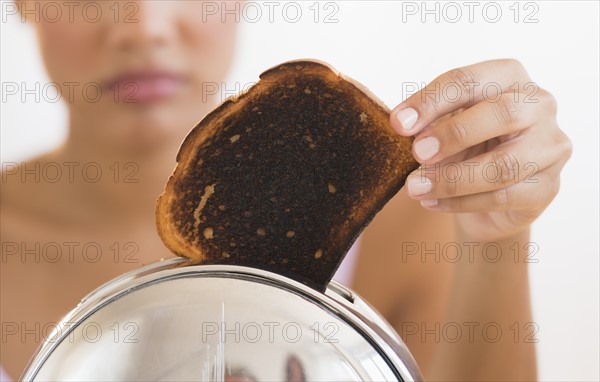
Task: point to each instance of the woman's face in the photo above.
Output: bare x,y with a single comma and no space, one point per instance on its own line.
134,73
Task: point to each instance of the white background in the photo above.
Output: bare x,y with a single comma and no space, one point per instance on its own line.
374,44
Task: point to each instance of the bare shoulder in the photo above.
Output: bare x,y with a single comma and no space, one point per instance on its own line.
23,230
22,193
14,276
24,183
397,265
27,283
402,271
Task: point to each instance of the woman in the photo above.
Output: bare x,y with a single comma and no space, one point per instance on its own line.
134,89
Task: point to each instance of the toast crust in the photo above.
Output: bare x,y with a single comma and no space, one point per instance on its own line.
284,176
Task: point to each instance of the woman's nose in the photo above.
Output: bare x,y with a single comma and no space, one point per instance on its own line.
143,24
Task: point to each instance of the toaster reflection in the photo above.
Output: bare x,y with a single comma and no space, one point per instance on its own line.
239,375
294,372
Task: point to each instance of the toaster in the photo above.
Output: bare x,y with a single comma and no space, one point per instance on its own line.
176,321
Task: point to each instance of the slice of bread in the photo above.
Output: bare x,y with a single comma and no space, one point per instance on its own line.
285,176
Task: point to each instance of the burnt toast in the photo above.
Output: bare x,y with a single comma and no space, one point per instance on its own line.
284,176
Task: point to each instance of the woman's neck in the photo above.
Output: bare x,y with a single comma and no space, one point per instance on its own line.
111,182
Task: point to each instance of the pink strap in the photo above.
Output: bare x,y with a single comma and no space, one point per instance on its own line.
345,273
3,376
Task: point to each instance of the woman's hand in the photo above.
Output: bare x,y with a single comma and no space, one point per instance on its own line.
489,147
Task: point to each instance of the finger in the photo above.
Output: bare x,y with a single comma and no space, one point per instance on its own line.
517,197
457,88
486,120
507,164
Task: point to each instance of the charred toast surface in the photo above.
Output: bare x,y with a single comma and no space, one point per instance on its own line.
285,176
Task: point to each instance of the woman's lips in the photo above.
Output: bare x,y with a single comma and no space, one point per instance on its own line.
145,87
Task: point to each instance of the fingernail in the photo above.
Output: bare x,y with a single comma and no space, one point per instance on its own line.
418,185
407,118
427,147
429,202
